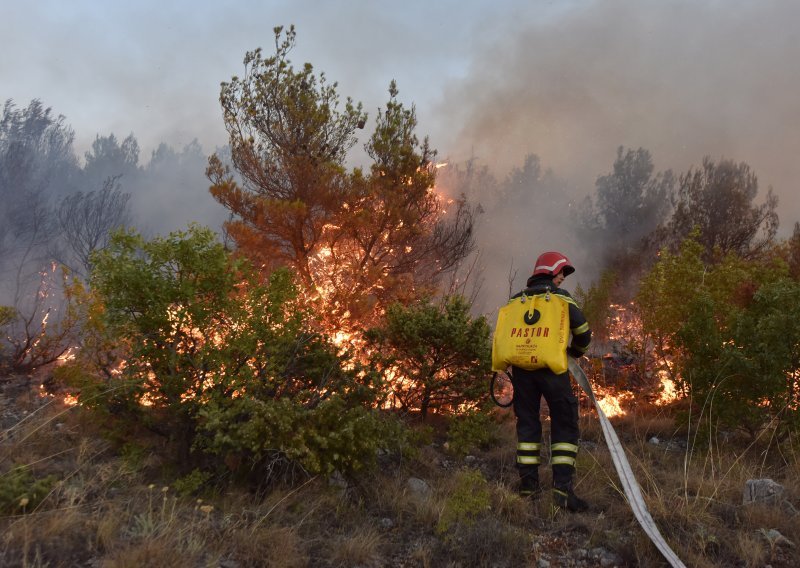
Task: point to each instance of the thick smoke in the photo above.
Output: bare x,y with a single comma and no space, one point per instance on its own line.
681,79
53,208
567,81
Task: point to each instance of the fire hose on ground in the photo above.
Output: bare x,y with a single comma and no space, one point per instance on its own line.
629,484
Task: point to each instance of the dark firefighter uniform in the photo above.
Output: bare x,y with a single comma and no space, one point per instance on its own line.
529,387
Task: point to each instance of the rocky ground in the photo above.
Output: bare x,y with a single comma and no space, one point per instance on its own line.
388,517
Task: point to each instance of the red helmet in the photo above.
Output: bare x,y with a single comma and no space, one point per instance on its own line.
552,263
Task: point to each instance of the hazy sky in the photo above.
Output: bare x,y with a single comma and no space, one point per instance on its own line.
567,80
154,68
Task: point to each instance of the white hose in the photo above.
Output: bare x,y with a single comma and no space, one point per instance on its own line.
623,467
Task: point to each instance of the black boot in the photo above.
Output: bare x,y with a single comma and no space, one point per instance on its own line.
529,486
566,499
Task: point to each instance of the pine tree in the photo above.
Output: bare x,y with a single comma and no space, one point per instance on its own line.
357,239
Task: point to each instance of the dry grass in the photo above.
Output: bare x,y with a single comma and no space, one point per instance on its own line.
509,506
155,552
276,546
752,550
111,511
359,548
394,500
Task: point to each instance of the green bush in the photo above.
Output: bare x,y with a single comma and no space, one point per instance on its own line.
133,455
469,500
742,370
723,333
333,435
596,301
470,432
21,492
191,483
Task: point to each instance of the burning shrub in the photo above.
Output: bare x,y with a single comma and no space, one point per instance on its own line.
38,331
436,357
202,345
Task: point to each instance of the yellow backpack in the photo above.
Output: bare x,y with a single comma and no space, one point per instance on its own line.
532,332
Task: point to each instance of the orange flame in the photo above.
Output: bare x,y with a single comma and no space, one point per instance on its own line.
611,402
70,400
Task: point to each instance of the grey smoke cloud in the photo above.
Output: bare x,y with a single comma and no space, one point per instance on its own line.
569,81
682,79
154,68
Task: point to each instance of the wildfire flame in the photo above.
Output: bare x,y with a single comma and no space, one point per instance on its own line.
610,401
67,356
669,390
70,399
625,325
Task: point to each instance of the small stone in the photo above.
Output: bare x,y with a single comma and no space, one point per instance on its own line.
386,523
418,487
470,459
337,480
762,491
606,558
788,508
654,440
775,537
543,563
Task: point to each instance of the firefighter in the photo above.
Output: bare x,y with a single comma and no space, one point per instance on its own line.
549,272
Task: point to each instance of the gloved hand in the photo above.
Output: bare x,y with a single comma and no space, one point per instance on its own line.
574,353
